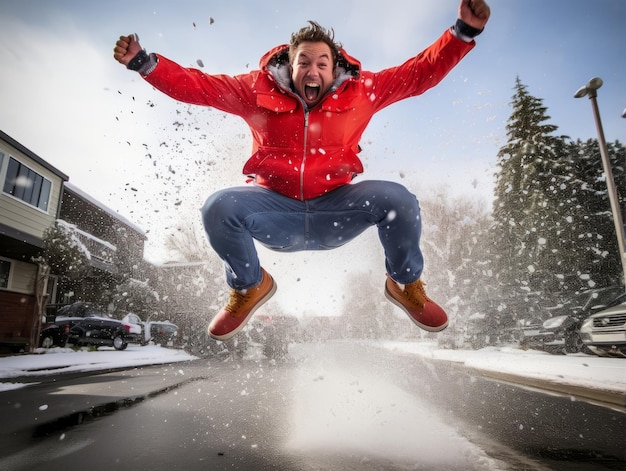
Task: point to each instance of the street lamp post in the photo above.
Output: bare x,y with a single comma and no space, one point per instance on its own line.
591,90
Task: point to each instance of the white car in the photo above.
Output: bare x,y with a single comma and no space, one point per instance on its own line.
161,333
134,327
604,333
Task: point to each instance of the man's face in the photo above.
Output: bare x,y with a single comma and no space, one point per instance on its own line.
312,71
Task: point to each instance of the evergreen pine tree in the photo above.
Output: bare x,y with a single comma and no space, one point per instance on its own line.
528,214
591,221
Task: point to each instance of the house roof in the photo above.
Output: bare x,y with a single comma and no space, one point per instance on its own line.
90,199
70,187
12,142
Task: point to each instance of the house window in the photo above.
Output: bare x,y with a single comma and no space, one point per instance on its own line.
27,185
51,289
5,269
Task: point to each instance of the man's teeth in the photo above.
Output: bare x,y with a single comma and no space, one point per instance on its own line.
312,91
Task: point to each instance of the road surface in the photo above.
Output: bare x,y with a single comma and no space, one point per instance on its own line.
345,406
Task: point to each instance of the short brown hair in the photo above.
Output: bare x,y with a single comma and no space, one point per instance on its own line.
314,33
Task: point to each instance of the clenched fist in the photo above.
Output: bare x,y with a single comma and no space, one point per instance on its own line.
126,48
474,12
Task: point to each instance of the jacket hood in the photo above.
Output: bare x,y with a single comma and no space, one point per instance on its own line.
276,63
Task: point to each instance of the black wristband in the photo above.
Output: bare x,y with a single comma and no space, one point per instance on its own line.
138,61
466,30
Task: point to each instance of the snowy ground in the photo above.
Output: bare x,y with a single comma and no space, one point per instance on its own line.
582,370
586,371
66,360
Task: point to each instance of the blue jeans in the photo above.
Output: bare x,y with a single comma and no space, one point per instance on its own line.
234,217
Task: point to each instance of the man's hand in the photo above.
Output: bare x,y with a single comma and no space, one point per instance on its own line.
126,48
474,12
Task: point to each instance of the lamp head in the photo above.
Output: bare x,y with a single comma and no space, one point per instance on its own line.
581,92
590,89
594,83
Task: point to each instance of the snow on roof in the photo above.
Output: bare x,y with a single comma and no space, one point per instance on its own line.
81,194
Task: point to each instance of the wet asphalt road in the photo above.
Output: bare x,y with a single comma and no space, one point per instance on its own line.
334,406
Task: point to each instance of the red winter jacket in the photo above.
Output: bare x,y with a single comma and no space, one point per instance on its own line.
306,153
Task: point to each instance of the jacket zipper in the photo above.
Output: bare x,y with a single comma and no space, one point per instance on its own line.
306,134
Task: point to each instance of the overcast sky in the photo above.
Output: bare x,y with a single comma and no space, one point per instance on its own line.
135,150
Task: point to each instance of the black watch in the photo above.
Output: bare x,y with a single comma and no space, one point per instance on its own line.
466,30
138,61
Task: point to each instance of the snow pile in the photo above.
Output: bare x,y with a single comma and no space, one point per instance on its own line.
66,360
579,369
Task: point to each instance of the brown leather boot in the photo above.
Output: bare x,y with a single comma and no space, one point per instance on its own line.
240,308
413,300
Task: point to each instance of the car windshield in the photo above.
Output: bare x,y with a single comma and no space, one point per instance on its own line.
132,318
605,298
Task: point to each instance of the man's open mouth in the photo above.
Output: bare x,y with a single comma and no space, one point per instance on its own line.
311,91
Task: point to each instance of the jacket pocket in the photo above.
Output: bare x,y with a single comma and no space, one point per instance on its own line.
341,102
276,102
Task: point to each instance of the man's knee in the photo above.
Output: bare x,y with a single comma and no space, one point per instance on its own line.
218,207
394,194
400,193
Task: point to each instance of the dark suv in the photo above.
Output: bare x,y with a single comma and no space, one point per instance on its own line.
84,323
55,333
100,330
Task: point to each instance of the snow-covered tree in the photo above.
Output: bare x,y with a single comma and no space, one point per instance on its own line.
138,297
529,204
590,223
552,217
64,252
187,243
459,272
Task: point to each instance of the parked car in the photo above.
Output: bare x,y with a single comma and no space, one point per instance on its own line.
83,323
55,333
161,333
528,329
135,329
102,330
604,333
158,332
561,332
